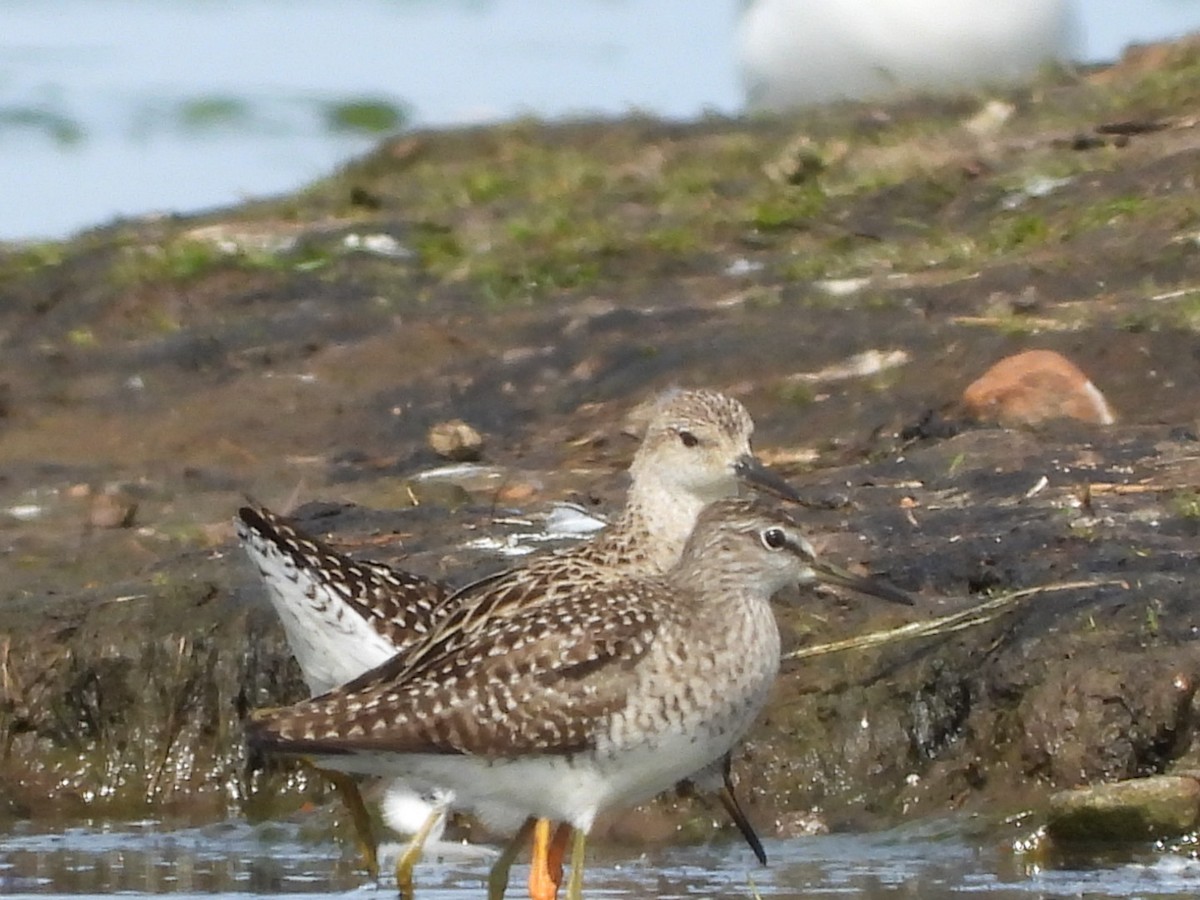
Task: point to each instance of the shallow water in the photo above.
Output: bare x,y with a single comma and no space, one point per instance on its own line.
235,858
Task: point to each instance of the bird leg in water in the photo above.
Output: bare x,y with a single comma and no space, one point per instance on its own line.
412,853
498,876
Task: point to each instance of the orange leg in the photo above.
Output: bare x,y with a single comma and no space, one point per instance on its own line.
558,849
546,867
542,883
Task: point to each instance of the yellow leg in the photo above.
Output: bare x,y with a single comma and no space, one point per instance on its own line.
498,876
347,788
575,885
412,853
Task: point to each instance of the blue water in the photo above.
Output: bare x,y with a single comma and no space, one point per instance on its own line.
927,862
131,107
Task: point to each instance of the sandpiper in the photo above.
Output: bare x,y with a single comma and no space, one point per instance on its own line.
343,617
581,700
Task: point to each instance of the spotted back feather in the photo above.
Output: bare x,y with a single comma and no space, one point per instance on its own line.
537,682
553,676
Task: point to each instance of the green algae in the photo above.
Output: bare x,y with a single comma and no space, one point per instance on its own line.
364,115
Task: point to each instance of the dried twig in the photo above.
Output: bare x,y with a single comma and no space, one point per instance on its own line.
1105,487
967,618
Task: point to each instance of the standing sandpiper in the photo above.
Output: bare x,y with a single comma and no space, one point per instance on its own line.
579,700
343,617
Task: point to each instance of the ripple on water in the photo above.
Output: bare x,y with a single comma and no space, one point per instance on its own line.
235,859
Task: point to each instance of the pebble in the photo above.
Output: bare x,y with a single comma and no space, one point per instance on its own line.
111,511
456,440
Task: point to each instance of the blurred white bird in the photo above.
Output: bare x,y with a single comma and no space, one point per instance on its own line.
794,53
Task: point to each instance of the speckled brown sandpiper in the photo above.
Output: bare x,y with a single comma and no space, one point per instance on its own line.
576,700
342,616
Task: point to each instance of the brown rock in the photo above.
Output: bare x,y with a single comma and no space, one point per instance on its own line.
456,440
647,824
1032,387
1142,59
111,511
1161,806
517,492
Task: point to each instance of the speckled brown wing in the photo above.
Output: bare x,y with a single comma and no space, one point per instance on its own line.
538,682
398,605
552,579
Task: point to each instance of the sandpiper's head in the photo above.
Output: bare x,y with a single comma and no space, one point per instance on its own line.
698,443
760,544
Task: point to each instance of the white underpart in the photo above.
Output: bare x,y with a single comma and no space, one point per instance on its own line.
331,642
557,789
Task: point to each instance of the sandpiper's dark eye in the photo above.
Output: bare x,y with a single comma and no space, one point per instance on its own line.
688,439
774,538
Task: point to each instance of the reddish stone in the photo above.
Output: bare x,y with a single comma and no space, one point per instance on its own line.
1035,386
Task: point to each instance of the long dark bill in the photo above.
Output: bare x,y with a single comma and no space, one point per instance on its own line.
828,573
752,471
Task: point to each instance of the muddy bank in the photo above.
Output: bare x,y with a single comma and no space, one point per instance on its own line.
539,281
